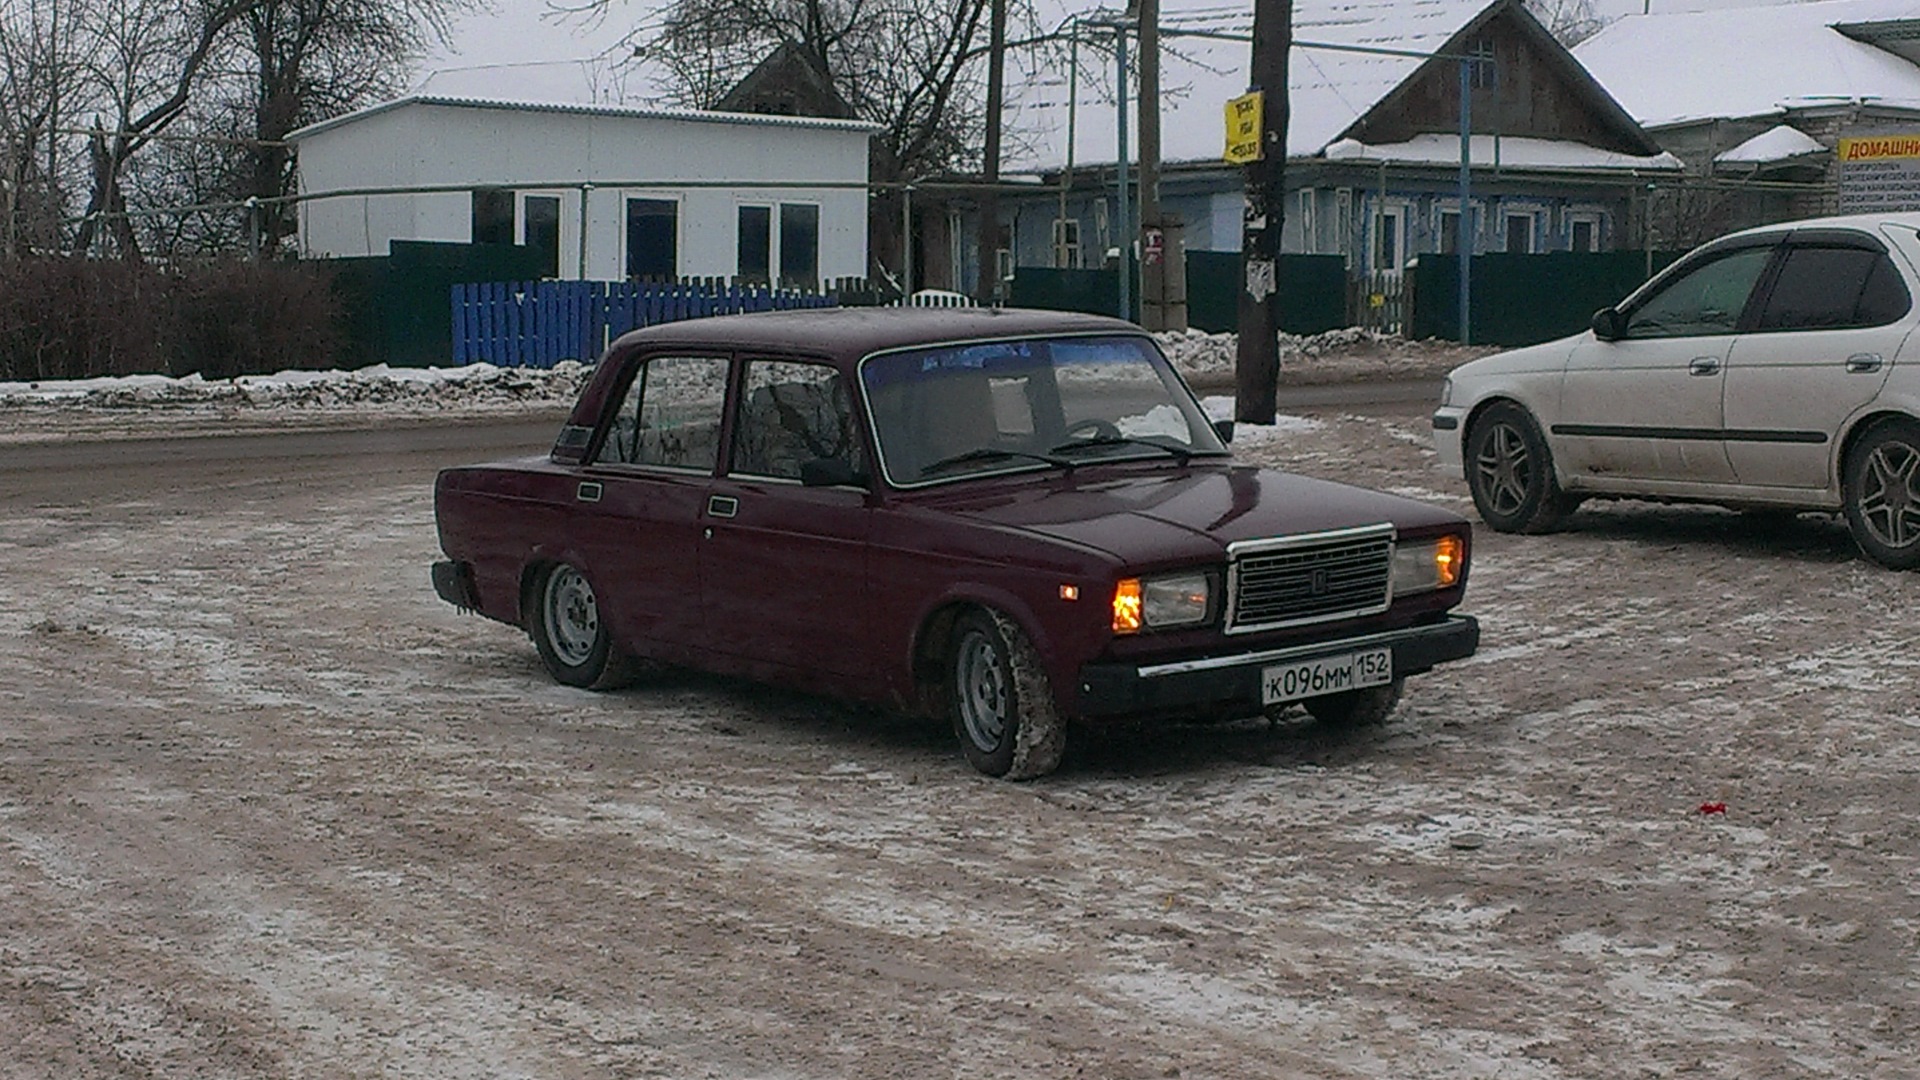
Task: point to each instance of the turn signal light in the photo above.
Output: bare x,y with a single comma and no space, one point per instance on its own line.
1126,606
1449,556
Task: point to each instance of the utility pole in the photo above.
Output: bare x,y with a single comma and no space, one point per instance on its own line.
988,290
1257,364
1153,263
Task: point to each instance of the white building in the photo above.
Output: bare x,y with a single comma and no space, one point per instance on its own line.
602,191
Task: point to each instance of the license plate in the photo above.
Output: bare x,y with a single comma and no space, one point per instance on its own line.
1327,675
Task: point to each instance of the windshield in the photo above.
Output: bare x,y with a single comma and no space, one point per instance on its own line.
961,410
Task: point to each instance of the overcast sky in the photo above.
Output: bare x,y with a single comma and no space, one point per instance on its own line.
524,31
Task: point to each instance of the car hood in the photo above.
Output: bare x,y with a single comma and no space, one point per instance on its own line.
1178,515
1546,356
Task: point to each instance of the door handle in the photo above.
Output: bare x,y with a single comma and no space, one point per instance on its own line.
722,506
1863,363
1704,365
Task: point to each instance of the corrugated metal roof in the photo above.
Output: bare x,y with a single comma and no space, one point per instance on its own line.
570,108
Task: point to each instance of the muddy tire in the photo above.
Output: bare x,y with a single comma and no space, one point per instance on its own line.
1356,708
1000,699
563,618
1510,472
1882,493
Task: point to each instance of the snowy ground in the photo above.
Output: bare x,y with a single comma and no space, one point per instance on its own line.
269,808
102,408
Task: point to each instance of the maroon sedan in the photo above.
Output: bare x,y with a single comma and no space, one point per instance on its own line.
1018,520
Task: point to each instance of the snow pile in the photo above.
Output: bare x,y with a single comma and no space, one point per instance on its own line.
1351,354
431,389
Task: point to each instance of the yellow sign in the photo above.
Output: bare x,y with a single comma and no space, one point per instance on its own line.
1880,148
1243,128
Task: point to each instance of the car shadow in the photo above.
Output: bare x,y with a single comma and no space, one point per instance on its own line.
1294,740
1809,536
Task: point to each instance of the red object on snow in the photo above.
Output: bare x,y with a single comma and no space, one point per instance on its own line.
1713,808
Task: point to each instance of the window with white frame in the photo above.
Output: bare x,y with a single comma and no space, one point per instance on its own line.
1309,237
1519,233
1583,231
1389,237
1343,223
1066,243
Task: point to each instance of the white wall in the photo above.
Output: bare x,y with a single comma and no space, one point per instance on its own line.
421,144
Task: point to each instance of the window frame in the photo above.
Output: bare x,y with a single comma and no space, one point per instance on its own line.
740,393
622,395
627,199
1830,241
1686,267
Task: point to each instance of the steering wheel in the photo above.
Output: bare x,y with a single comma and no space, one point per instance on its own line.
1093,428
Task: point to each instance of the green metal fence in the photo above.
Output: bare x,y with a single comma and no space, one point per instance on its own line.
1525,299
1313,292
397,304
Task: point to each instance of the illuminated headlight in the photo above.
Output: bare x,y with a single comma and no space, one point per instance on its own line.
1426,565
1161,602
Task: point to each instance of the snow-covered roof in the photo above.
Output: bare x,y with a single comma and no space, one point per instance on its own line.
504,101
1328,90
1777,143
1511,151
1677,68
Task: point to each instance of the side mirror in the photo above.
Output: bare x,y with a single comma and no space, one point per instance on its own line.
1224,429
1609,324
830,472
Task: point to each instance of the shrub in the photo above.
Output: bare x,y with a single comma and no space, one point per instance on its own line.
74,317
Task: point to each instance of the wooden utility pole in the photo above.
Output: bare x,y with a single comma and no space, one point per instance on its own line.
1257,365
989,285
1153,263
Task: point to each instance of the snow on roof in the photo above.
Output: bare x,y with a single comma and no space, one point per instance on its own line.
1758,61
1513,151
1777,143
1328,90
583,81
509,103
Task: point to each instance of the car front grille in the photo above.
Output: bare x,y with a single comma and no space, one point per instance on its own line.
1306,579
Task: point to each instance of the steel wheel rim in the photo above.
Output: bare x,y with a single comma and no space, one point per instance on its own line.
572,616
1504,467
981,689
1889,503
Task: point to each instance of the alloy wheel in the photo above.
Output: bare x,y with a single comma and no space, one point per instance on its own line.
1889,503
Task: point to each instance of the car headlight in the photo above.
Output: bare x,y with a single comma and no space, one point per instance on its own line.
1446,391
1428,564
1166,600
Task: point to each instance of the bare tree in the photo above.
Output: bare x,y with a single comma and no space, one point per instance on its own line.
299,61
1569,21
147,61
37,61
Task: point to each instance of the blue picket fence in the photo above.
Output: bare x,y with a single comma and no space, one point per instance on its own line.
540,323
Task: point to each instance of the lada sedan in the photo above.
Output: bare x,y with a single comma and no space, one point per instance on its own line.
1014,520
1770,369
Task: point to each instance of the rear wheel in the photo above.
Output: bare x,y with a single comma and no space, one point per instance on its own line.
1356,708
571,637
1883,493
1000,699
1510,472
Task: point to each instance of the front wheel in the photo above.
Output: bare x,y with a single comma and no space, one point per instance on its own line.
1883,493
567,629
1510,472
1356,708
1001,700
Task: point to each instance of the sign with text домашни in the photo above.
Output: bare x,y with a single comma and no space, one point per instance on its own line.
1243,128
1879,173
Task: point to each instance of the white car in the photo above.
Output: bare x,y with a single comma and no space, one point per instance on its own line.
1772,368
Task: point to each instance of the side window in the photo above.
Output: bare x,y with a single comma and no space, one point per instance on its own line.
1832,288
671,415
791,414
1705,300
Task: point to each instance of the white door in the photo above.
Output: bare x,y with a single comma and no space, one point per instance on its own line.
1647,407
1836,315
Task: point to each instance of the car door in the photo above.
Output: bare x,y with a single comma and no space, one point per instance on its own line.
1825,339
639,502
783,555
1647,407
